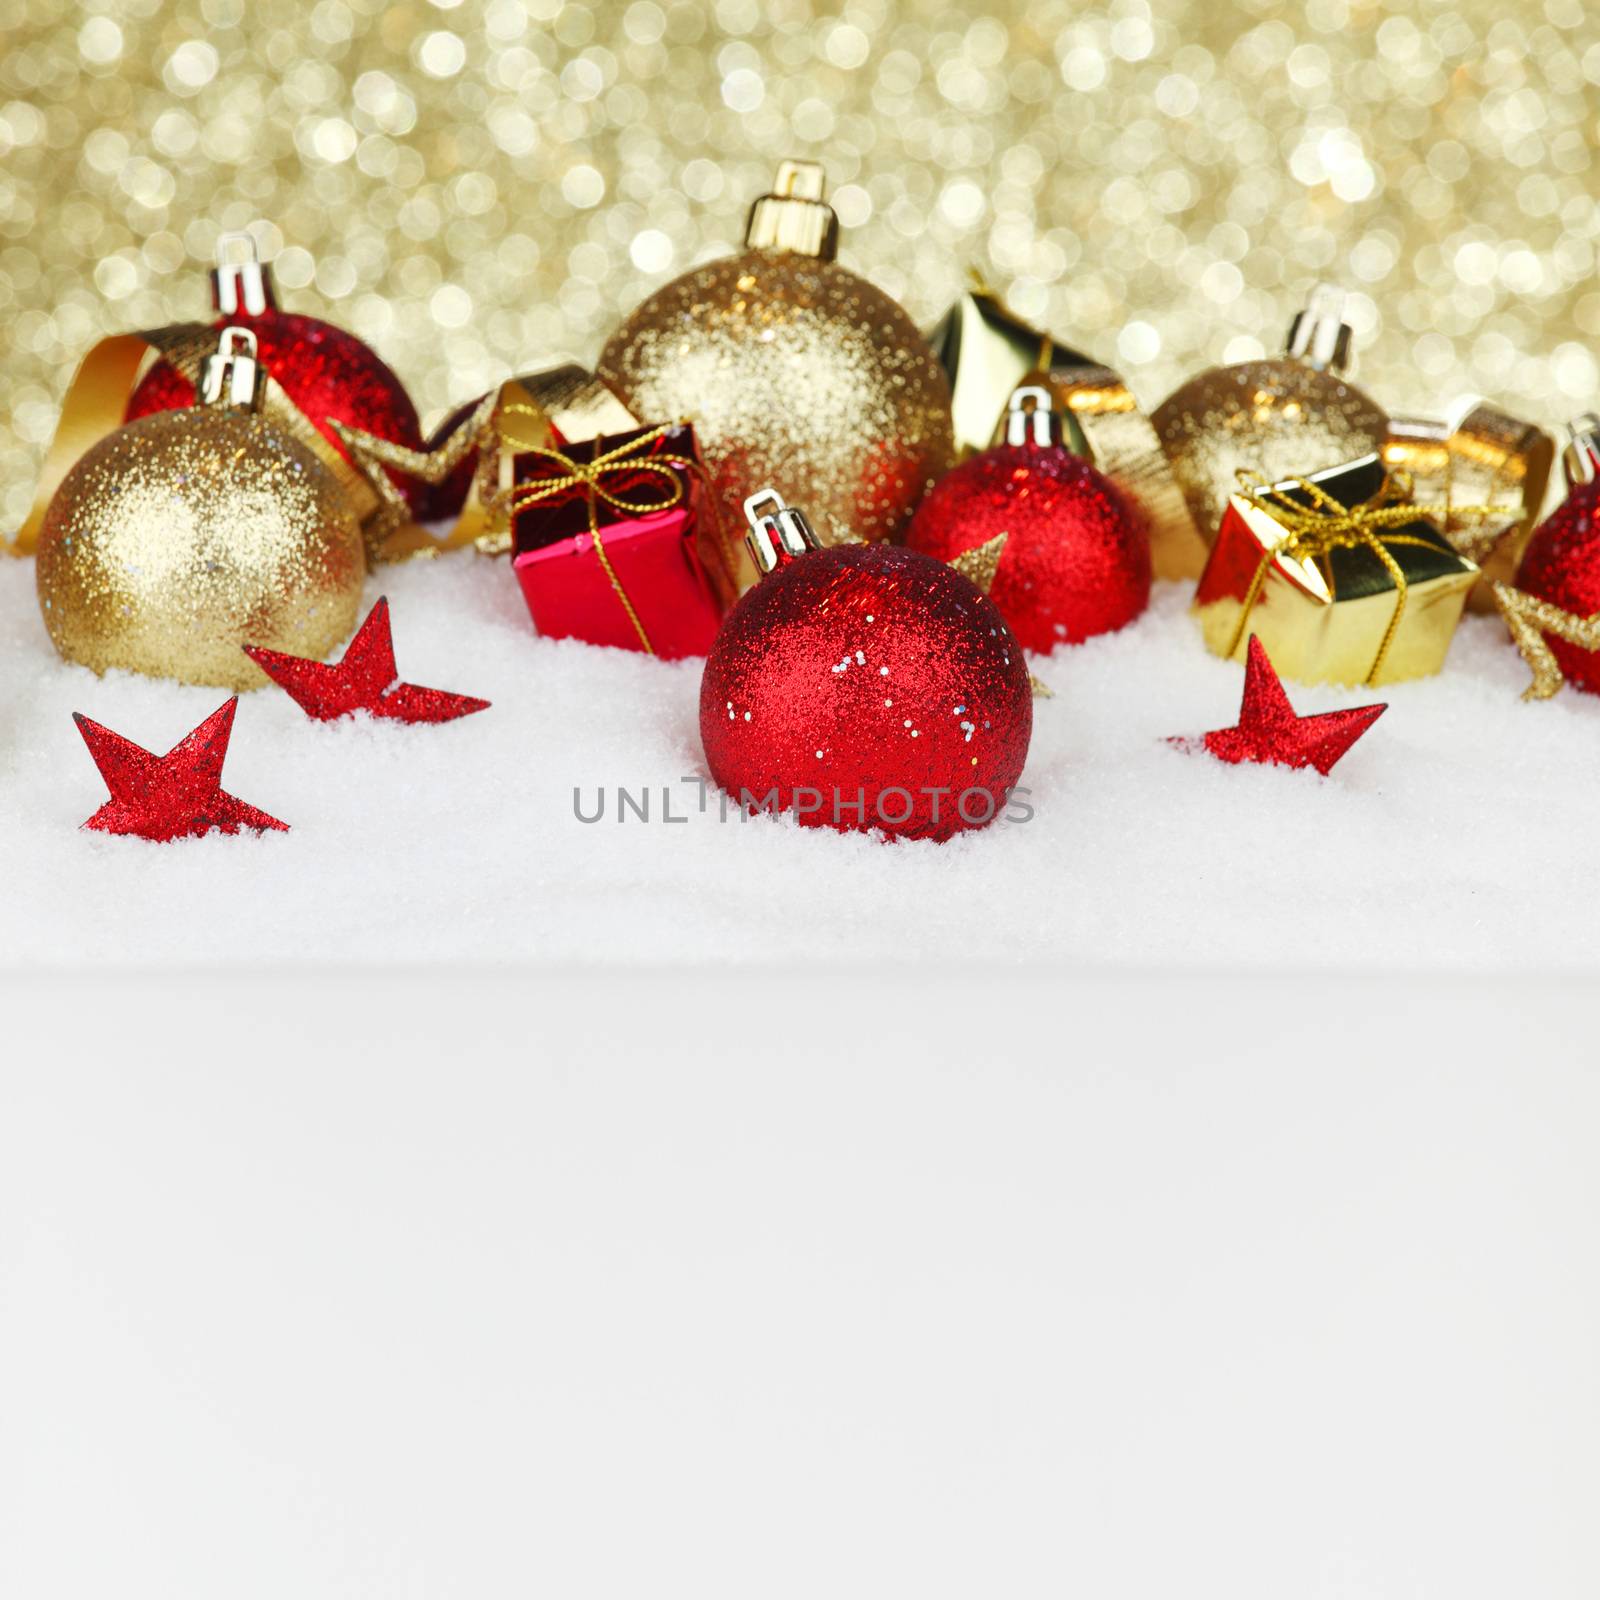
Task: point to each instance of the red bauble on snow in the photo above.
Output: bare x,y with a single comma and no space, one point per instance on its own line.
1077,556
864,687
1561,563
330,375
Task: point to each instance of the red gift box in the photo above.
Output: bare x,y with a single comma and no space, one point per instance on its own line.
603,539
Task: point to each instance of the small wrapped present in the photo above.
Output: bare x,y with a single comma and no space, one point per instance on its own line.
1338,574
605,540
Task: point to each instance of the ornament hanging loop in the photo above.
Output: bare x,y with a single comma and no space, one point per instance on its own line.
241,285
232,376
1031,417
1581,458
794,216
776,530
1319,335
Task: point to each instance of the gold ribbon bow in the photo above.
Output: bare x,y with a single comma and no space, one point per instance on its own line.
591,476
1326,525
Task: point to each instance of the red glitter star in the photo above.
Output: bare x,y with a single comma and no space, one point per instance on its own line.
1269,731
365,679
175,796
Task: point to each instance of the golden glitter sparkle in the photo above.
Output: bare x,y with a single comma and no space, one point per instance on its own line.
797,375
181,537
1277,418
479,189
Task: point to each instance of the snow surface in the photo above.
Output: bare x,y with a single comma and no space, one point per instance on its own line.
1459,834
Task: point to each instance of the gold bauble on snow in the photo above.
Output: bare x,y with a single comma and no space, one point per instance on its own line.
1283,418
182,536
797,375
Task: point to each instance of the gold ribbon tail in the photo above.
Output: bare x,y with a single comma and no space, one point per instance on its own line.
97,400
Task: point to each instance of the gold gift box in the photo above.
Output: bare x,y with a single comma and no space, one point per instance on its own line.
1302,569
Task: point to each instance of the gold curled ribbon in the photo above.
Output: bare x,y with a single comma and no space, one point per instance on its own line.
1477,453
97,400
388,529
1529,620
591,476
1326,525
1120,440
564,397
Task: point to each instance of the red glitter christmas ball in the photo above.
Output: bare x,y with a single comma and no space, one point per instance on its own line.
868,687
329,374
1561,564
1076,560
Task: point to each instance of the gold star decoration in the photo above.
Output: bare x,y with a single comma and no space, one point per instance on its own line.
1529,620
978,566
390,533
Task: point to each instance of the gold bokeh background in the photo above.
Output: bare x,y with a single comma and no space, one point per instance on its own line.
479,189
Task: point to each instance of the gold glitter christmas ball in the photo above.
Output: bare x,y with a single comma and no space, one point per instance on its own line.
796,374
1282,418
188,533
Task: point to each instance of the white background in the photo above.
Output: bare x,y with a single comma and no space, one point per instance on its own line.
873,1283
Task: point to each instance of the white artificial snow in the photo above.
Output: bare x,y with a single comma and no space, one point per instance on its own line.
1460,833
